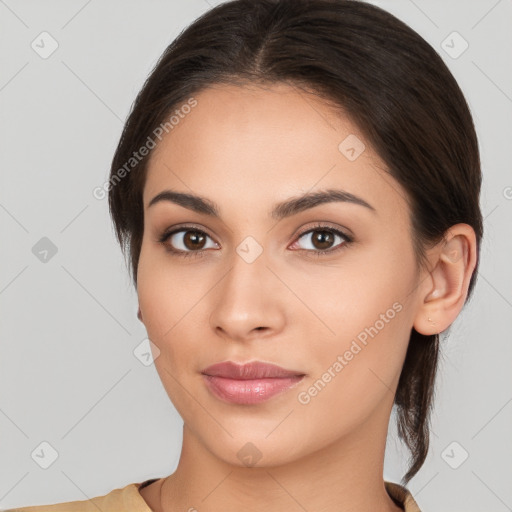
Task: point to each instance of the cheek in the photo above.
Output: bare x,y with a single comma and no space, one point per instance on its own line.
163,301
365,323
159,293
343,300
169,299
358,372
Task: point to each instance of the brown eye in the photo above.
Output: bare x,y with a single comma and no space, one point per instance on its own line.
194,240
323,240
186,241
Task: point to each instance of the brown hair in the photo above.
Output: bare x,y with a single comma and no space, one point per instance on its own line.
376,70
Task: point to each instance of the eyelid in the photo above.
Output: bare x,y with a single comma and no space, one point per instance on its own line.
325,226
184,227
317,226
168,233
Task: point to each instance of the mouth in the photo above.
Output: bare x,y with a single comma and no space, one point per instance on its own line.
249,383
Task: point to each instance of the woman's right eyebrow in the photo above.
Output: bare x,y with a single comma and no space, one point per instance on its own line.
280,210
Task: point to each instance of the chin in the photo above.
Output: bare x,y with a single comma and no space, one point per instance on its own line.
246,451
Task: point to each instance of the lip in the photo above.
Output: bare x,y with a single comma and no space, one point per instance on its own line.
247,371
249,383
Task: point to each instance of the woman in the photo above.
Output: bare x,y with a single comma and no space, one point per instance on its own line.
297,187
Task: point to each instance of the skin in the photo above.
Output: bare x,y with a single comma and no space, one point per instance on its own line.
247,148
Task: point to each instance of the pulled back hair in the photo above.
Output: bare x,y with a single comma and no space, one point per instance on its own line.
375,70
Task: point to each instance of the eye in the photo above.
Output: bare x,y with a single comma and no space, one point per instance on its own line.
186,241
323,238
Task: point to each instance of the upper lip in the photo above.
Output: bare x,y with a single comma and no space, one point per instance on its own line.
251,370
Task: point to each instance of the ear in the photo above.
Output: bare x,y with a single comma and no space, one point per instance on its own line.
139,315
444,289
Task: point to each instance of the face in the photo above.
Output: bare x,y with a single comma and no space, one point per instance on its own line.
325,289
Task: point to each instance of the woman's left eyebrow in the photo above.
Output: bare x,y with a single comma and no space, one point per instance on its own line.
280,210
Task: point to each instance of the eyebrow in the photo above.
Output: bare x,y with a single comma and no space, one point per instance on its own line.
280,210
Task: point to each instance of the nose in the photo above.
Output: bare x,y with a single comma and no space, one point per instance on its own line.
249,302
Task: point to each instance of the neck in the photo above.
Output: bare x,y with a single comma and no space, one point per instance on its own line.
345,475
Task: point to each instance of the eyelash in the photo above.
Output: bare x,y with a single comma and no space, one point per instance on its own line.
200,253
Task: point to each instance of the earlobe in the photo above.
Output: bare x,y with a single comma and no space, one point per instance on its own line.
446,287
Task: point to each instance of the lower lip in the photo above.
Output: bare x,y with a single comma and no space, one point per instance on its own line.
249,391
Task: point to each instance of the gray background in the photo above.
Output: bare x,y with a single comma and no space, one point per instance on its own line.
68,373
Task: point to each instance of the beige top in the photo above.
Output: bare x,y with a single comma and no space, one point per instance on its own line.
128,499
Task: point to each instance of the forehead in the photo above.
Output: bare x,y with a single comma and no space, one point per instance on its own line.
266,144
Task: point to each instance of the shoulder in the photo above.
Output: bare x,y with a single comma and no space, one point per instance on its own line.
121,499
129,499
402,496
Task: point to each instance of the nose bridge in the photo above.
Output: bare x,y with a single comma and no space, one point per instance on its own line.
246,298
248,273
247,257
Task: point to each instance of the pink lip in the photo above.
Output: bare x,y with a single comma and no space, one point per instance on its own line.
249,383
